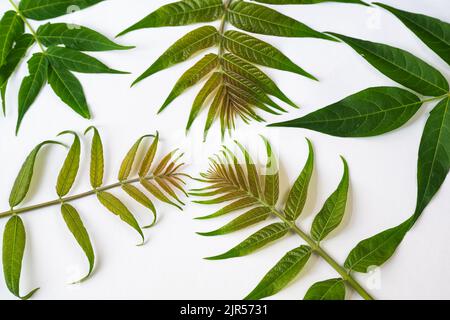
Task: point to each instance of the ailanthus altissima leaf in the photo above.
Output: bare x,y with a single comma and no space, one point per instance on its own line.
333,289
370,112
14,239
47,9
433,32
129,160
140,197
149,157
401,66
11,27
69,171
181,13
97,160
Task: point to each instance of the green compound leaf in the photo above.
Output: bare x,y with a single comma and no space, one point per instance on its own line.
183,49
333,289
263,20
282,273
370,112
14,239
69,171
332,213
77,38
299,192
400,65
76,227
22,183
181,13
47,9
433,32
256,241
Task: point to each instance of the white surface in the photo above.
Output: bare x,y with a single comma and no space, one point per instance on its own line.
170,266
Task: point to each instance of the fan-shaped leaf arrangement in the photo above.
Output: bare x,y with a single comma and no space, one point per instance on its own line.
257,193
61,52
238,87
375,111
162,180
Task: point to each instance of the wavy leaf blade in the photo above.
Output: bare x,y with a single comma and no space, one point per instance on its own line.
332,213
263,20
333,289
115,206
433,32
299,192
22,183
68,88
181,13
434,155
47,9
77,38
197,40
370,112
400,65
282,273
78,230
69,171
32,85
14,239
376,250
97,167
256,241
259,52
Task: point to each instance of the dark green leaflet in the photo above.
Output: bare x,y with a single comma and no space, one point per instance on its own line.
333,289
194,41
192,76
308,1
181,13
247,219
433,32
97,160
401,66
77,38
77,61
11,27
299,192
434,155
256,241
47,9
371,112
263,20
259,52
69,171
68,88
14,239
376,250
282,273
332,213
128,161
22,183
32,84
76,227
115,206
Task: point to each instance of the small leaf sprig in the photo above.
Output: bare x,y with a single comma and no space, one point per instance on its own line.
378,110
257,192
61,53
238,87
163,180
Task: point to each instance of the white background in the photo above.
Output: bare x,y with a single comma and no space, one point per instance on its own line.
170,266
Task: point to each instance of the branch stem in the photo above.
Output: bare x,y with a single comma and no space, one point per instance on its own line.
223,25
27,23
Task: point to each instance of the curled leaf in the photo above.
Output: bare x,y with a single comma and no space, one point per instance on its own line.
69,171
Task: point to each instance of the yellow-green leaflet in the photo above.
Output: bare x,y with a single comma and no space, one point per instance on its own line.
252,174
271,176
149,157
70,168
97,161
14,239
140,197
23,180
116,207
158,194
76,227
297,196
127,164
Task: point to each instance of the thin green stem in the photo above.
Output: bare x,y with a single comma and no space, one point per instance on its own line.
222,27
436,98
27,23
71,198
